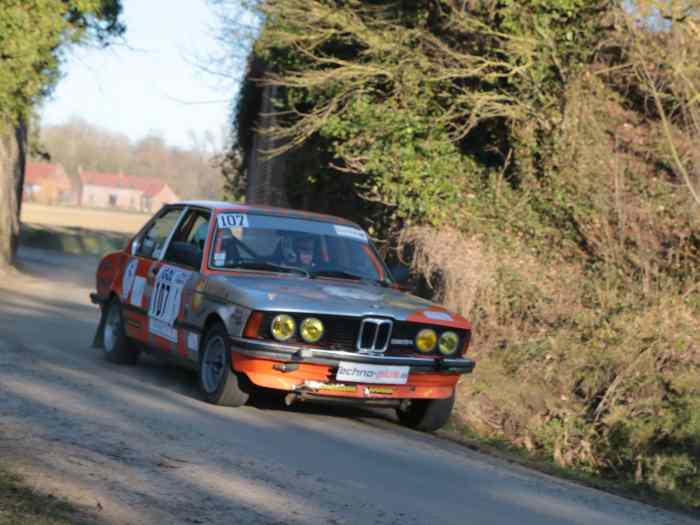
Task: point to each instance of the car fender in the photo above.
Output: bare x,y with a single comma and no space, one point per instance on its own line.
208,307
111,267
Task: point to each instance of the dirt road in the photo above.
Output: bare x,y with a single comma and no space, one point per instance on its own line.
136,445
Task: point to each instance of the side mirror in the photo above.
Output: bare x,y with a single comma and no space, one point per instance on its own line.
185,254
402,276
400,273
135,245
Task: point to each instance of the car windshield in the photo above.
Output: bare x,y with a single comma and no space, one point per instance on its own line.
306,247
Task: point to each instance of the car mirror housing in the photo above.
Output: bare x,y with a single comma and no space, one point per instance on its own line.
185,254
401,274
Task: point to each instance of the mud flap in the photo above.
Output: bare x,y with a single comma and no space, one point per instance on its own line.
98,340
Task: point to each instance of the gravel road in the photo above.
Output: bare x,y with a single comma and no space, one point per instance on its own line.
136,445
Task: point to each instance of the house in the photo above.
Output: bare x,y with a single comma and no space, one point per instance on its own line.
46,183
117,190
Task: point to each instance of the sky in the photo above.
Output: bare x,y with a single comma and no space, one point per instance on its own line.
149,83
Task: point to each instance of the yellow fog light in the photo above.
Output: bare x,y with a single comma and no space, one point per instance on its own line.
311,330
426,340
449,341
283,327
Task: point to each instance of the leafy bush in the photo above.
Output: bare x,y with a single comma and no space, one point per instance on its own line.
538,160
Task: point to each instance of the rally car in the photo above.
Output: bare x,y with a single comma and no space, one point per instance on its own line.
253,296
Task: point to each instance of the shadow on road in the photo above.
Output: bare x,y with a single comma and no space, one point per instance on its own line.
139,440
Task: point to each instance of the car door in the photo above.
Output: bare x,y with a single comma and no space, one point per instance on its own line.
147,251
179,280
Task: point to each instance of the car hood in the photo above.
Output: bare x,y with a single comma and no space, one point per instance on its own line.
316,296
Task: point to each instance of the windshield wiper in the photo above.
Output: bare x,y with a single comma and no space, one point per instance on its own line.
265,266
340,274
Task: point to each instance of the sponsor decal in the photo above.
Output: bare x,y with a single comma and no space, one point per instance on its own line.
192,342
365,373
198,296
162,329
329,387
378,390
402,342
338,388
349,231
219,258
137,291
128,279
232,220
438,316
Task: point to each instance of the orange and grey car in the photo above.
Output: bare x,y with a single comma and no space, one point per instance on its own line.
280,299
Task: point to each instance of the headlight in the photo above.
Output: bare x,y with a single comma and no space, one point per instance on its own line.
311,330
426,340
283,327
449,341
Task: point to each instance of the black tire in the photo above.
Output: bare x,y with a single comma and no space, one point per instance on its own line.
116,347
427,415
219,384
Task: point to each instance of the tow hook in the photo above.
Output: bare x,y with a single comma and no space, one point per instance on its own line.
291,398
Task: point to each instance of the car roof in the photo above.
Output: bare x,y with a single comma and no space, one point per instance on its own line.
221,206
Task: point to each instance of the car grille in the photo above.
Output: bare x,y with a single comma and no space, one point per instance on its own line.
374,335
343,333
340,332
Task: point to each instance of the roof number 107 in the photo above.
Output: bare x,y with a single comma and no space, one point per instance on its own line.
232,220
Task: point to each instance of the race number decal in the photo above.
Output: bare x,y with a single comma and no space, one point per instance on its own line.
232,220
128,280
165,301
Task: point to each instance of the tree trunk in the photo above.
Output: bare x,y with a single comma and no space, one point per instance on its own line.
13,150
267,182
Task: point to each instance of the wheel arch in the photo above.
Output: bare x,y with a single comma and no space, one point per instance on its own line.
212,320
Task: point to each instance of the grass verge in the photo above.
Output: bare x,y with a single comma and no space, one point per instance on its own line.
75,240
20,505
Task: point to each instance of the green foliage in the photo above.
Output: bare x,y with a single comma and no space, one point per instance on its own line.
525,125
32,33
415,168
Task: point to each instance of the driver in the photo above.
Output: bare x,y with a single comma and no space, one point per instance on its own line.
304,249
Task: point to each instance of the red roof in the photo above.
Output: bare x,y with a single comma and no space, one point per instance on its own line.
150,186
37,171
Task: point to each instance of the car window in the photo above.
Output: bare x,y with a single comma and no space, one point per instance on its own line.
187,245
320,249
154,239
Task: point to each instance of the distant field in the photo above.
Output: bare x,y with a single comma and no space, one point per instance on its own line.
90,219
78,230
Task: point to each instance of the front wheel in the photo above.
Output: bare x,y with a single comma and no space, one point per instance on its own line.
427,415
116,346
220,385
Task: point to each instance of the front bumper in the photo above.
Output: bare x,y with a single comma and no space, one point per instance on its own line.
312,372
332,358
96,299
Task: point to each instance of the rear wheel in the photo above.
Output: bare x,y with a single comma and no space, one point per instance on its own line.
220,385
427,415
116,346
